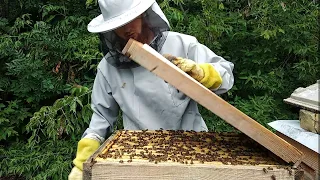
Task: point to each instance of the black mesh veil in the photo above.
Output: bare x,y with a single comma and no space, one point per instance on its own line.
112,44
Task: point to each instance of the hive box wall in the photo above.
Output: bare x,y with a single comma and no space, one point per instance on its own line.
309,121
176,172
95,168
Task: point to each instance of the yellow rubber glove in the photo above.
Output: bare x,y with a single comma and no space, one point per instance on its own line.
204,73
75,174
86,147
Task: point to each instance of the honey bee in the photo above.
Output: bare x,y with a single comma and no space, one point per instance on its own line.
265,170
270,168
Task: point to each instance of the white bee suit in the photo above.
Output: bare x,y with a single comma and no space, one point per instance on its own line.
147,101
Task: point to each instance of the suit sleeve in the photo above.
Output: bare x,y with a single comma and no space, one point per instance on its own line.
105,109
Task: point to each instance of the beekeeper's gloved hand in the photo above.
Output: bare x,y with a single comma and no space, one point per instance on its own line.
204,73
86,147
75,174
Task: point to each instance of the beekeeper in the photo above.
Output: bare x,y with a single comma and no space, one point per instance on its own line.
147,102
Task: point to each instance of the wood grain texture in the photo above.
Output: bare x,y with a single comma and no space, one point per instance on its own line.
87,166
309,121
311,158
143,171
308,172
156,63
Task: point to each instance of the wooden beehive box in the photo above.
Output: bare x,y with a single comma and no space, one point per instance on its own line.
168,154
308,100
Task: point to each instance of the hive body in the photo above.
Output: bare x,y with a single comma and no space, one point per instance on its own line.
164,154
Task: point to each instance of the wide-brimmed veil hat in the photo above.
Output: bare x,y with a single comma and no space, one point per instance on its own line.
116,13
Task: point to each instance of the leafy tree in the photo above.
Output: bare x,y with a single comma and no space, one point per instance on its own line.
48,63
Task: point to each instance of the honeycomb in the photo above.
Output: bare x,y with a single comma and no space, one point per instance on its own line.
186,147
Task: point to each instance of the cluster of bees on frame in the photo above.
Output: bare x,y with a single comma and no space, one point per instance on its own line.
187,147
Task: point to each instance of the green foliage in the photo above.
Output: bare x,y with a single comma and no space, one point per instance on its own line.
48,160
12,116
214,123
47,65
273,44
265,108
48,62
68,116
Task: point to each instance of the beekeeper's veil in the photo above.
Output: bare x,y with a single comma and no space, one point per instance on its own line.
116,13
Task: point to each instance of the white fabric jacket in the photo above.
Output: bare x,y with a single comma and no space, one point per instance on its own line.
147,101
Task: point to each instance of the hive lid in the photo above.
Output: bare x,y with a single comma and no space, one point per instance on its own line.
292,129
306,98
